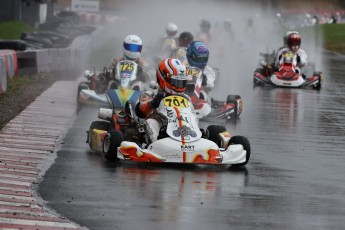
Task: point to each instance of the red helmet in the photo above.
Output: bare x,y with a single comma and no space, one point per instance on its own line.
171,76
294,41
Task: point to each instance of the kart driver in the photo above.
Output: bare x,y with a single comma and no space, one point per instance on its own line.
204,34
197,56
169,41
293,42
181,51
132,46
172,79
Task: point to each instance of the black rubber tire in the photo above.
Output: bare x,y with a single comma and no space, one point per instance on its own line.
256,82
246,146
319,84
111,142
17,45
101,125
212,133
233,99
81,86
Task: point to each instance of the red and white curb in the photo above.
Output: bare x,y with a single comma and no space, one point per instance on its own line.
27,149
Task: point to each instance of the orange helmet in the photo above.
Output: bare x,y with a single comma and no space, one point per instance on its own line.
294,41
171,76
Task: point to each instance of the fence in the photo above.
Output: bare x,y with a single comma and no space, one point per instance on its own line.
27,11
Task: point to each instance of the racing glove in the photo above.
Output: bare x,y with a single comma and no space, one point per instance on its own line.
204,80
157,99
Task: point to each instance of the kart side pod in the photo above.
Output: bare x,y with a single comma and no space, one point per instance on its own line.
105,114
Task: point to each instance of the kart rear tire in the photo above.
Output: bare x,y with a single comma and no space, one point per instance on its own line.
212,133
101,125
234,99
319,84
246,146
111,142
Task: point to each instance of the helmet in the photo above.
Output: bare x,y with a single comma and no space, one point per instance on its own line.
294,41
205,25
171,76
185,38
286,36
171,29
132,46
197,54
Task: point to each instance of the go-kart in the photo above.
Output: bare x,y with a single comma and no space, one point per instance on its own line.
208,107
287,74
125,85
121,135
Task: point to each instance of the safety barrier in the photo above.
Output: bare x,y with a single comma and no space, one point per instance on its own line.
73,58
8,68
100,19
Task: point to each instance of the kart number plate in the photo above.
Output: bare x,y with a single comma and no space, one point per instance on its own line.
193,72
176,101
125,66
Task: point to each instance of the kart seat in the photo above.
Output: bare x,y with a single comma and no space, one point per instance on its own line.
162,132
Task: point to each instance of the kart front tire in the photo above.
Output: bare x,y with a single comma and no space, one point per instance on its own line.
246,146
111,142
101,125
81,86
213,131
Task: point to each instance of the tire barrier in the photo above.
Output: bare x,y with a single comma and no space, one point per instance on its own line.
17,45
3,77
8,68
11,63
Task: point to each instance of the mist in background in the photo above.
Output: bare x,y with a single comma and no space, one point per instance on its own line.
235,58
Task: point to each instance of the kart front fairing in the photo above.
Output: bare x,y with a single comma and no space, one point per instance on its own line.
182,122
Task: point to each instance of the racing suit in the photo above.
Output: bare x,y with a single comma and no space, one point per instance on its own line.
301,60
301,57
209,74
181,54
143,69
146,108
168,44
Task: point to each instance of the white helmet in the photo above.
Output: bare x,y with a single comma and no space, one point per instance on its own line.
132,46
171,29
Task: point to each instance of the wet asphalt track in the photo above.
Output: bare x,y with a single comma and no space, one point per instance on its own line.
294,179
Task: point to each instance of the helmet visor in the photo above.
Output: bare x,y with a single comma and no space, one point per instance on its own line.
132,47
178,83
201,60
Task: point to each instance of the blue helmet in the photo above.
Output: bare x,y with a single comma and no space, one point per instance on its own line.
197,54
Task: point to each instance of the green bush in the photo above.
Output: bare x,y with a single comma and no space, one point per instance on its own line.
13,29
